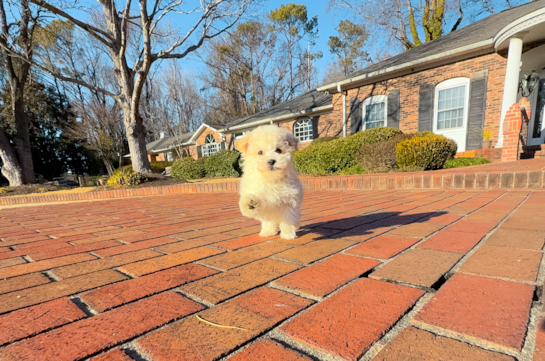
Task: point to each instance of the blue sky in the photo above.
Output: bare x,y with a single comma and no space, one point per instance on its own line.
327,21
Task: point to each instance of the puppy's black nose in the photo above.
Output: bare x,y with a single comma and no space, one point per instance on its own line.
271,161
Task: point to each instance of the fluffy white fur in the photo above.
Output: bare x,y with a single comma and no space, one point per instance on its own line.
270,190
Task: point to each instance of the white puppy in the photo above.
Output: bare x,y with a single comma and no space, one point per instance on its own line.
270,190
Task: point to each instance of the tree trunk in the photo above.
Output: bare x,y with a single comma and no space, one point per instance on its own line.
22,137
11,168
109,166
136,137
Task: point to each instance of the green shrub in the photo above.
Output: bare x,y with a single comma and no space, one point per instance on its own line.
156,167
159,167
380,157
464,162
374,135
125,177
355,169
187,168
321,140
224,163
202,160
427,152
333,156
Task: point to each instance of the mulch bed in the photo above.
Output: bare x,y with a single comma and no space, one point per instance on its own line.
29,189
153,180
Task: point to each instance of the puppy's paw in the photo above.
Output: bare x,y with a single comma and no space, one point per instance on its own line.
268,229
252,204
288,235
248,204
267,233
288,231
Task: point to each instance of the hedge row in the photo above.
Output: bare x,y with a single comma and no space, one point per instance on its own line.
156,167
224,163
335,155
375,150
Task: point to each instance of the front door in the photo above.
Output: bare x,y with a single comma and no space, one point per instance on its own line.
536,128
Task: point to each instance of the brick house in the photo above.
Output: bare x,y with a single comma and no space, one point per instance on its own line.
458,85
206,140
307,116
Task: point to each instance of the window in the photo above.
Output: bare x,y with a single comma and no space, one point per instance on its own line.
374,112
451,99
450,110
210,147
209,139
302,129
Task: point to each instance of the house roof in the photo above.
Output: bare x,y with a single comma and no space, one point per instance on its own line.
201,129
156,144
478,36
308,103
166,143
173,142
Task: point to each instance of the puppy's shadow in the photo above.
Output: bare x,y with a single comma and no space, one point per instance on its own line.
364,224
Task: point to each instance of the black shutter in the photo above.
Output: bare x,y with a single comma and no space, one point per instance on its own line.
315,122
425,107
355,116
223,145
475,117
199,151
393,108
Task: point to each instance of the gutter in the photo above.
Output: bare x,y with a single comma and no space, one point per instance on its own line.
280,118
347,83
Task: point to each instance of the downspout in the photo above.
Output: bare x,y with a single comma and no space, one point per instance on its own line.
344,108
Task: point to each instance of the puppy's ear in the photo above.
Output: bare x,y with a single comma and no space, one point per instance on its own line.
292,141
243,143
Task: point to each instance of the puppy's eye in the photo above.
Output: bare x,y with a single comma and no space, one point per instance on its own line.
278,150
260,152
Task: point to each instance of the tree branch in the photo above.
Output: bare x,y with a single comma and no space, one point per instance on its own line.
58,75
93,31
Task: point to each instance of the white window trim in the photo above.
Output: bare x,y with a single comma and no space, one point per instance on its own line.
375,99
312,128
206,139
210,148
448,84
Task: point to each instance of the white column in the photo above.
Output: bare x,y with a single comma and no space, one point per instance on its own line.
511,84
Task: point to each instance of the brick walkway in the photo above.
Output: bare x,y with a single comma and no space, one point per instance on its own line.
381,275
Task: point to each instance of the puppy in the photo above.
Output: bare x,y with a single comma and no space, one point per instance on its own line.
270,190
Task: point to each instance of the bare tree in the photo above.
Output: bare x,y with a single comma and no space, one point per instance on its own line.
134,41
243,68
349,47
172,103
261,63
101,128
292,23
16,35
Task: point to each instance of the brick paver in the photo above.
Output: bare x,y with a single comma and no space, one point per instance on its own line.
185,276
415,344
347,323
268,350
493,310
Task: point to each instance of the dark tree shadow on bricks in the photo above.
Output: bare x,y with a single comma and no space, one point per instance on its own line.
364,225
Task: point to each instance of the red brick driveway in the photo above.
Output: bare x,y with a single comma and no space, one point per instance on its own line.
381,275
